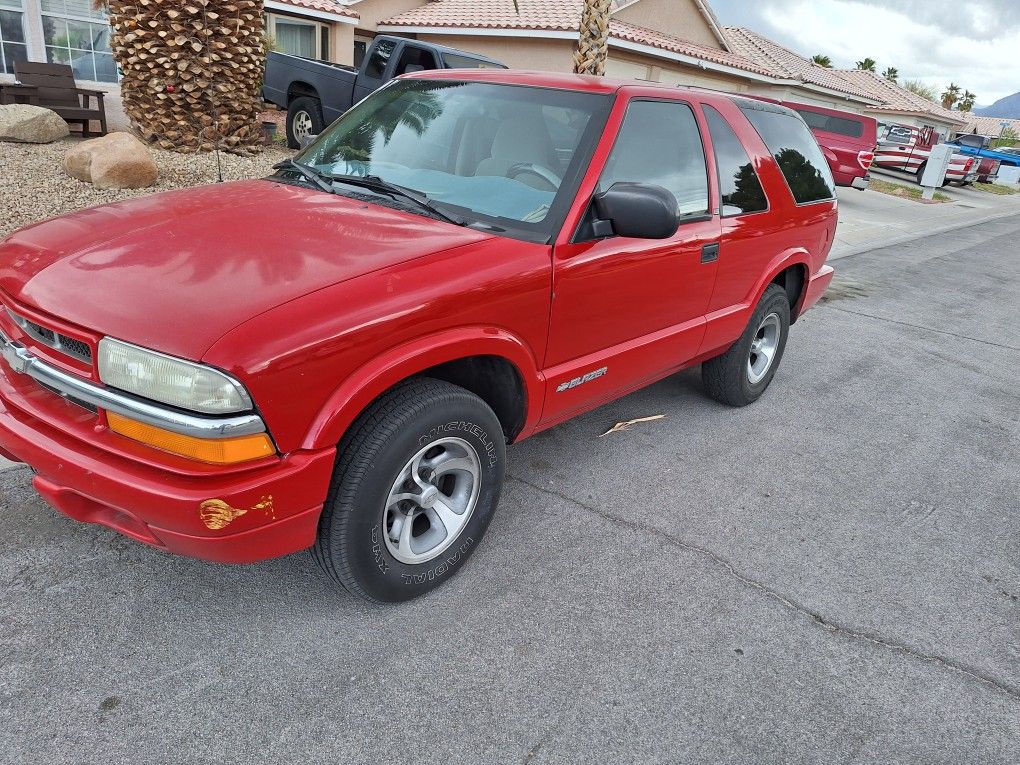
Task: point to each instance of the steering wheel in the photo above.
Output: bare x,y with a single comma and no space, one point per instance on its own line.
543,173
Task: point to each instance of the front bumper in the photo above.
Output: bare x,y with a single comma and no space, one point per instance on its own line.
233,515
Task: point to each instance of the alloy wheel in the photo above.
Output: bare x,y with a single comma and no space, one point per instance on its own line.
763,348
431,501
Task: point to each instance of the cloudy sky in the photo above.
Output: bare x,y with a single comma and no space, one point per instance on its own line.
974,43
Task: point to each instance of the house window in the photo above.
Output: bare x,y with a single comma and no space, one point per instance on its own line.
298,37
78,35
361,45
12,35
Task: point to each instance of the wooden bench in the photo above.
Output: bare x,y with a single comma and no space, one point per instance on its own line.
52,86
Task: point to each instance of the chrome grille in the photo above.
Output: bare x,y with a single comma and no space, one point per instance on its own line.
69,346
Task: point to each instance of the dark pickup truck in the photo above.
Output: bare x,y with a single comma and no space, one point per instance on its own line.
315,93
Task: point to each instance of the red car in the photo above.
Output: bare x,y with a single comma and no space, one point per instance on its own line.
336,356
847,140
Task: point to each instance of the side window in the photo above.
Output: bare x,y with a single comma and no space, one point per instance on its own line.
830,123
659,143
898,135
414,59
738,182
796,152
380,57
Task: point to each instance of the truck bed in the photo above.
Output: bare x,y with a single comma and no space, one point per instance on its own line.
333,83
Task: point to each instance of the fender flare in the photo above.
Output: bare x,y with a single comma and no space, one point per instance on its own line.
793,256
370,381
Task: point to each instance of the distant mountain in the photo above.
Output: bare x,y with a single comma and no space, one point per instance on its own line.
1006,108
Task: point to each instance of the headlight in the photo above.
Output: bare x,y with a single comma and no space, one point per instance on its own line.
171,381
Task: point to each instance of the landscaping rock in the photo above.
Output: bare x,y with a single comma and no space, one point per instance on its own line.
23,123
115,161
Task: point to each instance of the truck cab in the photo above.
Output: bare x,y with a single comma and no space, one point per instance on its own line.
315,93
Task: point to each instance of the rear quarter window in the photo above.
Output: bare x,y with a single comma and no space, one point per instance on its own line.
796,152
830,123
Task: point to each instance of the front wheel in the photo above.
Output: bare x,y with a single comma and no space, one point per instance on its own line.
739,376
417,481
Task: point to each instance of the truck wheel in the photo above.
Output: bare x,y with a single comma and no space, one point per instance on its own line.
920,172
416,483
304,118
739,376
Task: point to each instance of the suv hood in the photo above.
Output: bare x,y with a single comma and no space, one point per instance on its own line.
176,271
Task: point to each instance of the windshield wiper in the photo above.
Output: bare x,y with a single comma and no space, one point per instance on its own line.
375,183
313,175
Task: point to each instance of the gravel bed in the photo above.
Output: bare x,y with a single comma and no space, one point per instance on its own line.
33,186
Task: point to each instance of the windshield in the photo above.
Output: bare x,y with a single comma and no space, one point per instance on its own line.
507,155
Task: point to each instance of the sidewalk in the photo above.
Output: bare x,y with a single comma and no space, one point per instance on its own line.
869,220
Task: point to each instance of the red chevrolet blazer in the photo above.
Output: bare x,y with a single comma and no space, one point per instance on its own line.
336,356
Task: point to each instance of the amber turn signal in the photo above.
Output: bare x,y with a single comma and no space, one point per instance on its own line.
225,451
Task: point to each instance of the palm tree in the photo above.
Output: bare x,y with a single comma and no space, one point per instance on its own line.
821,60
593,41
191,72
891,73
868,64
950,96
967,101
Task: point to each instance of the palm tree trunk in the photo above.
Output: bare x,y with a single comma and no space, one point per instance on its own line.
593,43
191,70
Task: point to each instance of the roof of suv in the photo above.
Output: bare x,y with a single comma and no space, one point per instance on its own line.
577,82
589,84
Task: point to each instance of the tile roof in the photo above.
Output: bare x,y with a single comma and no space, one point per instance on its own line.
784,63
326,6
990,126
897,99
553,16
644,36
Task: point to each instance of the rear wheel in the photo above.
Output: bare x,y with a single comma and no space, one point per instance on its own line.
304,118
416,483
739,376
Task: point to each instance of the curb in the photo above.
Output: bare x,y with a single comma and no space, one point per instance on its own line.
904,238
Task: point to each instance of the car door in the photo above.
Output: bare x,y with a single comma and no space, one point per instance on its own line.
627,311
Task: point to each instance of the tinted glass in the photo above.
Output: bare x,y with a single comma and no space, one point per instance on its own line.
659,143
453,61
974,141
496,153
832,124
896,134
796,152
741,189
380,57
418,59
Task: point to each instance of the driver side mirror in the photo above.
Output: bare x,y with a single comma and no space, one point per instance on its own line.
638,210
307,140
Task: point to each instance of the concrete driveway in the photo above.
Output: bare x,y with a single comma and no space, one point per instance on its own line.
828,576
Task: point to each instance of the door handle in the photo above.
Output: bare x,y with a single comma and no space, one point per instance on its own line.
710,252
